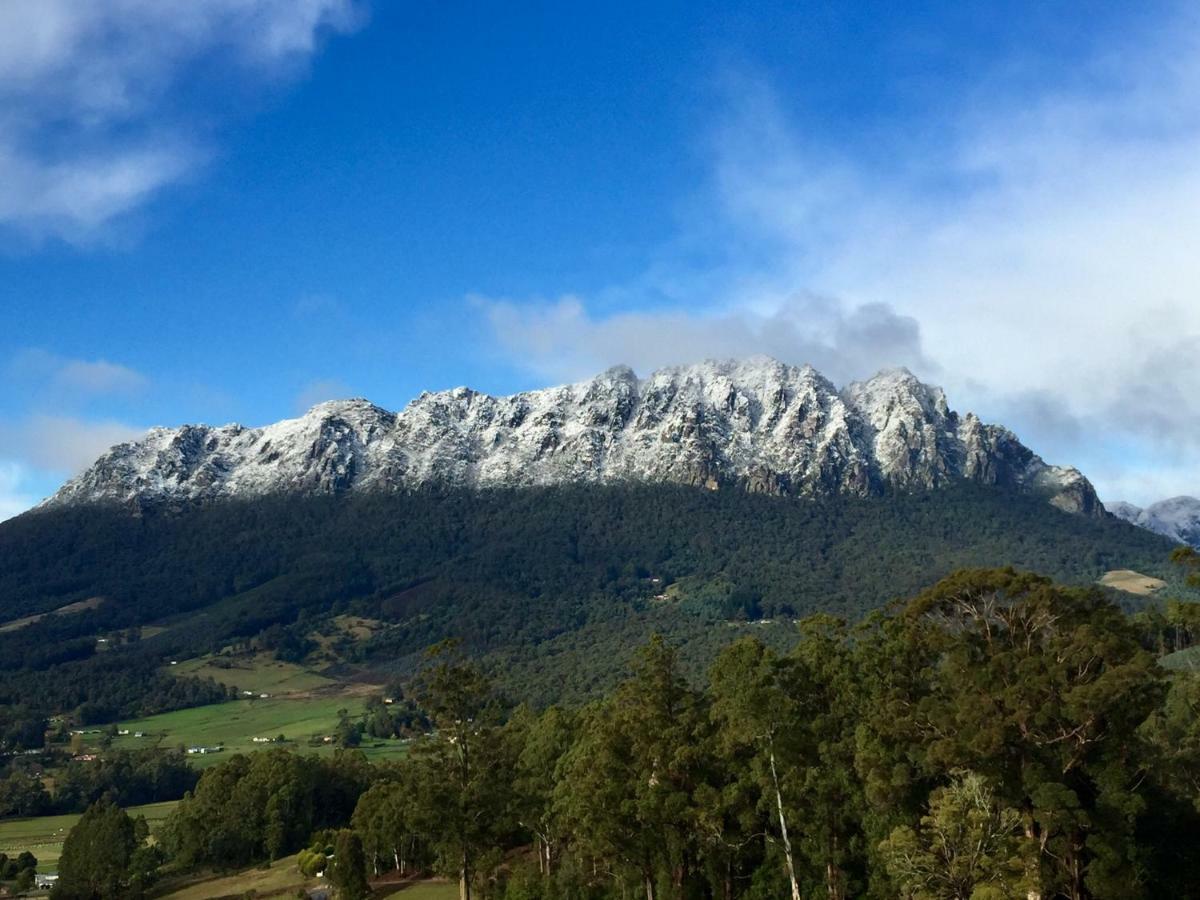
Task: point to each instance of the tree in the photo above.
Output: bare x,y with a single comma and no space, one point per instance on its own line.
101,859
1041,689
1188,559
632,778
348,874
22,794
753,705
24,880
463,776
386,818
968,847
543,743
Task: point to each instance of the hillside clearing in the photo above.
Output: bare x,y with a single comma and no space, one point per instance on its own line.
1132,582
259,673
76,607
234,725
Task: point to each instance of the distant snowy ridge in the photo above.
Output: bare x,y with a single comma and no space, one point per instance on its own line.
756,425
1177,518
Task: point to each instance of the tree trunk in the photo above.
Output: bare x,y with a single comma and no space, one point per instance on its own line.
833,875
1033,867
464,881
787,844
649,887
396,856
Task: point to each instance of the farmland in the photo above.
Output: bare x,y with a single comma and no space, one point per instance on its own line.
235,724
43,836
258,673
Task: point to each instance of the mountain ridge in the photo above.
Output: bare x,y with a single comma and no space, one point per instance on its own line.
756,424
1177,518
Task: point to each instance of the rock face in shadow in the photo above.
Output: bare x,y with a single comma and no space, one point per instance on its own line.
757,425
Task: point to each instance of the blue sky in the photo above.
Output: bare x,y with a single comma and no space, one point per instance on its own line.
221,210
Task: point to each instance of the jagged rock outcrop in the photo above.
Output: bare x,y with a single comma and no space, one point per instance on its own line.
756,425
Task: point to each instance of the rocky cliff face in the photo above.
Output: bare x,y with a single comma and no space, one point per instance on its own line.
756,425
1177,518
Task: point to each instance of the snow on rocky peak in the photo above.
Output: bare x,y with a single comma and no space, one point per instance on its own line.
1177,518
755,424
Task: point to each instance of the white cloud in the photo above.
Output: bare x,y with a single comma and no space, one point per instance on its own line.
62,444
76,377
562,340
1046,245
87,125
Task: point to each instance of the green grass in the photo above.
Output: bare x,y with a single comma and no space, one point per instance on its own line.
43,836
281,878
425,890
233,725
259,673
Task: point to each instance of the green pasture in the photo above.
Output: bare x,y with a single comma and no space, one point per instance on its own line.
234,725
43,836
260,673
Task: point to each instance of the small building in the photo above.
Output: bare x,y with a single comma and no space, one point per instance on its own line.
203,751
45,881
122,731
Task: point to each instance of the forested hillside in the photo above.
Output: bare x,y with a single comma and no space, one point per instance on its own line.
998,737
557,584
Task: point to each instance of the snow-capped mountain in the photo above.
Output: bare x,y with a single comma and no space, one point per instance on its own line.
1177,518
757,425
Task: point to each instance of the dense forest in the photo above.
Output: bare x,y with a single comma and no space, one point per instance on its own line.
549,586
998,736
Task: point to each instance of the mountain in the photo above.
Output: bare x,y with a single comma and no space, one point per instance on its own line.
757,425
1177,518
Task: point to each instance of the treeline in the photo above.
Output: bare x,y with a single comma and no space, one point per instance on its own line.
123,683
999,736
127,777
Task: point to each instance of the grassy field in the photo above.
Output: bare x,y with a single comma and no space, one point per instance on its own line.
1132,582
77,606
233,725
282,878
43,836
259,673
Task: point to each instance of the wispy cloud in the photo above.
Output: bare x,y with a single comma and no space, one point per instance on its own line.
62,444
1034,252
79,377
319,391
563,340
89,126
